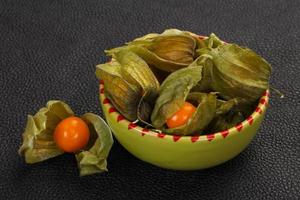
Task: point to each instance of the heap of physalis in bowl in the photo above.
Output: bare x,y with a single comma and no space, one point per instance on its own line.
179,83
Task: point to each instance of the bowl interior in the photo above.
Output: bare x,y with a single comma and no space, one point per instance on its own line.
259,110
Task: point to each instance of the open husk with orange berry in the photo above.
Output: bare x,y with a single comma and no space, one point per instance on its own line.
55,129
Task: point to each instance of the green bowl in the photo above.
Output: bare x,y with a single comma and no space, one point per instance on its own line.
183,152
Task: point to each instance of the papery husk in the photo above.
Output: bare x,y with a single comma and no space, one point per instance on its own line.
212,41
179,49
123,95
206,63
238,72
169,51
228,114
38,143
129,84
204,114
225,121
173,93
136,71
94,158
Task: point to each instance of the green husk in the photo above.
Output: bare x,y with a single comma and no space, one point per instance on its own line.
145,107
224,107
130,85
212,41
179,49
169,51
136,71
205,62
173,93
123,95
225,121
238,72
93,160
203,115
38,144
228,114
153,59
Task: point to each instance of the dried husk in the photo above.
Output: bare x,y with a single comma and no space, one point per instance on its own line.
228,114
130,85
38,144
173,93
123,95
204,114
212,41
93,159
238,72
169,51
225,121
205,62
137,72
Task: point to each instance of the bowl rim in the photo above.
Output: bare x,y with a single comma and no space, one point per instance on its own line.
119,118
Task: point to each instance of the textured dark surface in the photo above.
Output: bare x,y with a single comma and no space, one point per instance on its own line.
49,49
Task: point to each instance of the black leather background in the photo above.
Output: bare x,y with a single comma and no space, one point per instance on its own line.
49,49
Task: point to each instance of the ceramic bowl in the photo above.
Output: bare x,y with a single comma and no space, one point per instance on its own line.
183,152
